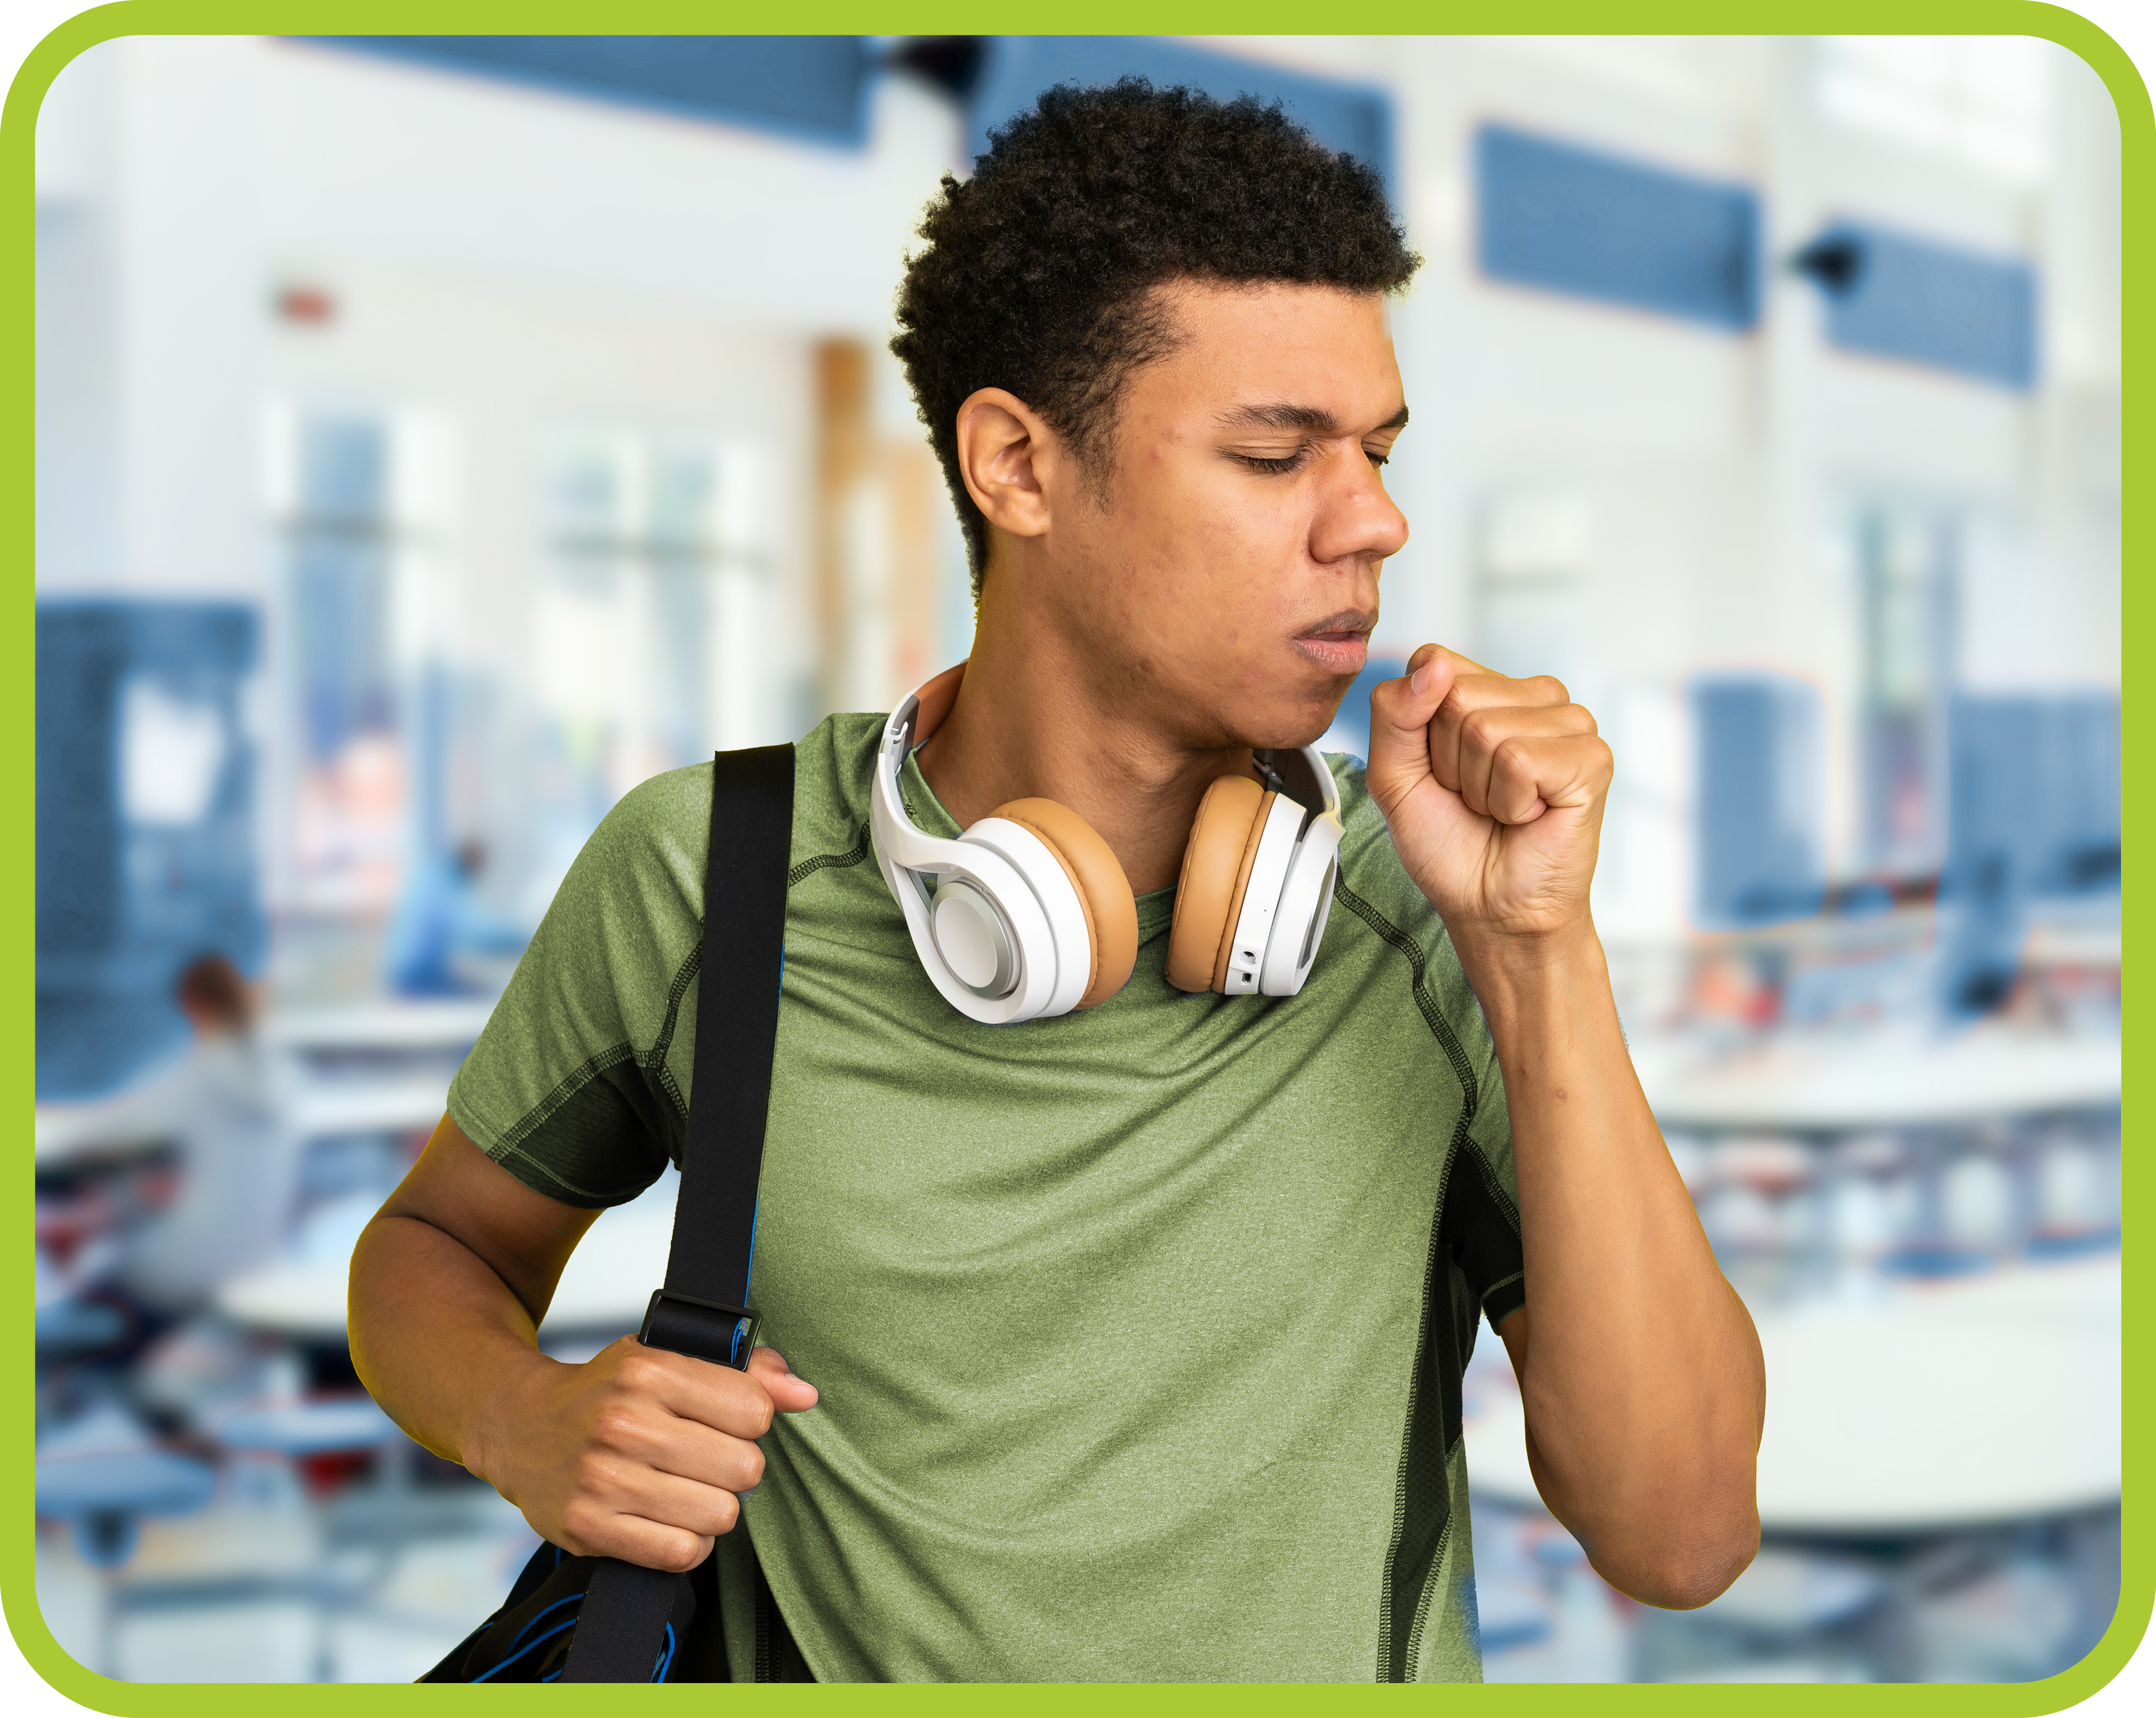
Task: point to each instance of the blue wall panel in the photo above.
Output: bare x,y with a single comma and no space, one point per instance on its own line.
816,87
1354,118
1897,296
810,87
123,904
1577,220
2033,813
1760,799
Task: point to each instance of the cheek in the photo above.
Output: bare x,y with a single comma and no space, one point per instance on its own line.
1234,534
1199,556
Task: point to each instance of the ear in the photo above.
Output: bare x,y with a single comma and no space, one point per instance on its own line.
1008,457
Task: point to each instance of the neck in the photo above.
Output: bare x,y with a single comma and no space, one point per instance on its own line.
1039,715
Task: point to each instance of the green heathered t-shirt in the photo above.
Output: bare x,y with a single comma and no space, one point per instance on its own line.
1139,1330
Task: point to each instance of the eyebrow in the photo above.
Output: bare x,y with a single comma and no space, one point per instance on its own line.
1283,416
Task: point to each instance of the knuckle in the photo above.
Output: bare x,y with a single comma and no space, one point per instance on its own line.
593,1473
682,1554
725,1513
643,1372
752,1465
579,1517
615,1424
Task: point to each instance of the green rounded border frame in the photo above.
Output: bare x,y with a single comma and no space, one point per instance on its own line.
17,940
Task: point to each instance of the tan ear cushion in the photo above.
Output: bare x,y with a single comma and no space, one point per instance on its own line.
1104,892
1216,868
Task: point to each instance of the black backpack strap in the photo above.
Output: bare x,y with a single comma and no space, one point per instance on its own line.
704,1308
621,1634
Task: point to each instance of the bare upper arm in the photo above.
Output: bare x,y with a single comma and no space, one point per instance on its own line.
523,1237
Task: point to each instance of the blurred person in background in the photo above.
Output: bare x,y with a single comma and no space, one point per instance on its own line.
237,1164
441,924
1144,1330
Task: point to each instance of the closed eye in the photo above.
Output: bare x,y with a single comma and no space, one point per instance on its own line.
1280,467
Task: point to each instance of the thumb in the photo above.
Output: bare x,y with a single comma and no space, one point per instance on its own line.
1400,714
788,1393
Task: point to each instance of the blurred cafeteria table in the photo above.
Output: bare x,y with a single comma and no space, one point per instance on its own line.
1938,1407
602,1292
1881,1081
382,1024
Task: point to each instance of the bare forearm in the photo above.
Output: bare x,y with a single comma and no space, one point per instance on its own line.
1641,1374
437,1336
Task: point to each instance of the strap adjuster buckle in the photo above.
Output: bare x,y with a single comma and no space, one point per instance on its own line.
703,1330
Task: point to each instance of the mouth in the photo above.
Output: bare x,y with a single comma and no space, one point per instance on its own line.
1338,644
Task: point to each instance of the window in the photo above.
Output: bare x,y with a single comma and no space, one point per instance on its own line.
1533,551
333,483
1980,98
652,601
1904,558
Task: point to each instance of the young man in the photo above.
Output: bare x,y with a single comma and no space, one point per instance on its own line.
1142,1327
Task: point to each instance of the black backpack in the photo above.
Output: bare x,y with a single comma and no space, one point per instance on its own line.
596,1619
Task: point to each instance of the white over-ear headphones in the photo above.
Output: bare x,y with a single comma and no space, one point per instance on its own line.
1029,914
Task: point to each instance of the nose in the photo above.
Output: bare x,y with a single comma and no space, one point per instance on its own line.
1356,520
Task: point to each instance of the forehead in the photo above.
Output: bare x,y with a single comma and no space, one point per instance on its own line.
1275,343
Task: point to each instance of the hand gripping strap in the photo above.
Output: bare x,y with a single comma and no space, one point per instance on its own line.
622,1633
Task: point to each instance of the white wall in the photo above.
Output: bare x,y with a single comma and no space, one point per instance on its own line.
500,260
501,257
1716,468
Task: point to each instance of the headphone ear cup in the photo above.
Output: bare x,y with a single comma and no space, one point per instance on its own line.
1216,865
1103,890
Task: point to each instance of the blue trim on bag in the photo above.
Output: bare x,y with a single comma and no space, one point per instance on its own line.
532,1622
565,1623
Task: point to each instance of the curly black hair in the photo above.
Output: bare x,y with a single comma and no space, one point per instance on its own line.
1038,272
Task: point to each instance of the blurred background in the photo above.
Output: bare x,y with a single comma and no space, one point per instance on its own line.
438,436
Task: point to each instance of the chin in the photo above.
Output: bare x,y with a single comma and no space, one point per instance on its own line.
1296,718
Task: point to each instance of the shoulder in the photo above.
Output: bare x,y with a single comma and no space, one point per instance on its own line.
833,767
647,853
666,814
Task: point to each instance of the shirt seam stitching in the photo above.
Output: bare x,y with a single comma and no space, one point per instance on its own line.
852,856
510,1144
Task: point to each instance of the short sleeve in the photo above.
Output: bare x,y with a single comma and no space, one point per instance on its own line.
578,1085
1482,1205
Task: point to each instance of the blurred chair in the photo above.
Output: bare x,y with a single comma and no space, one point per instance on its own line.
72,1326
103,1478
293,1431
